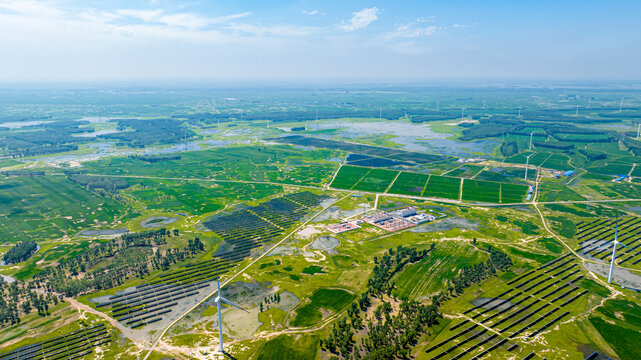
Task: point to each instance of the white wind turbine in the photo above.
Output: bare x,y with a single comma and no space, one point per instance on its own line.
614,251
219,300
527,164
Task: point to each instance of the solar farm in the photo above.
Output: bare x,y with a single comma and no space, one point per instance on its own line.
379,228
250,228
510,316
425,185
595,239
73,345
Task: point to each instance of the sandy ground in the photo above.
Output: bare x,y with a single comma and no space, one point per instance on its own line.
622,277
307,232
325,243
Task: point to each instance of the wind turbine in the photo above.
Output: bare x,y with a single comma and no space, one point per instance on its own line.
577,110
462,112
614,251
621,105
219,300
527,164
532,134
437,105
519,110
638,130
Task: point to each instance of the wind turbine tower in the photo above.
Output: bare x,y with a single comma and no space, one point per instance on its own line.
577,111
380,113
621,105
527,164
519,110
614,251
462,112
437,105
531,134
219,300
638,130
483,103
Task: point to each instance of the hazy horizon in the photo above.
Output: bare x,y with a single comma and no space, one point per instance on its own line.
311,41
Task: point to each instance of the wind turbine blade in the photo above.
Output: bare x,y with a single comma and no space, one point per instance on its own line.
232,304
622,244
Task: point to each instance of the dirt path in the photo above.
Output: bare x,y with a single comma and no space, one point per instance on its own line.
82,307
231,278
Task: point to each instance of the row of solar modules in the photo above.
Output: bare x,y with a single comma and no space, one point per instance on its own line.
519,317
148,303
598,243
249,228
72,345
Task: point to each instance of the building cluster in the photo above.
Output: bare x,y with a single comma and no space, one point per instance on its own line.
387,220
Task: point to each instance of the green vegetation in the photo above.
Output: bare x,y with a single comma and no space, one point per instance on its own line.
623,340
326,299
289,347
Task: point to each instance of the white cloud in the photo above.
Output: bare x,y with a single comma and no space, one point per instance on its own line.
412,30
312,12
361,19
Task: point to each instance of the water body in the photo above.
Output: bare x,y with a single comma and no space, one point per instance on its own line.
413,137
97,133
19,124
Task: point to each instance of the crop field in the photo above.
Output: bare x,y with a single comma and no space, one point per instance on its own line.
517,311
409,183
395,154
535,160
443,187
465,171
484,191
348,176
612,169
370,161
557,162
376,180
50,206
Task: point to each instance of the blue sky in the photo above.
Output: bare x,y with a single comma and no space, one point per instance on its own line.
66,40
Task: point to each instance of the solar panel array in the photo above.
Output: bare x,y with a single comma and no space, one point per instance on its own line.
533,302
249,228
69,346
245,229
595,239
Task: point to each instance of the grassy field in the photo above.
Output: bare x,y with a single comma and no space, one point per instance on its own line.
484,191
326,299
425,278
376,180
443,187
409,183
51,206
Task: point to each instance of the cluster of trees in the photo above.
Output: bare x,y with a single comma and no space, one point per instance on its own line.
633,145
386,336
47,138
271,299
98,182
593,156
110,264
498,261
148,132
20,252
23,173
388,265
509,148
553,145
155,158
18,300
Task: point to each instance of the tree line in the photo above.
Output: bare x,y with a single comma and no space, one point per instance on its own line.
20,252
